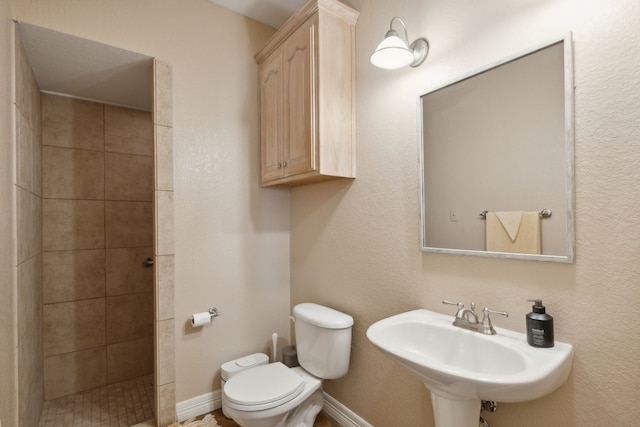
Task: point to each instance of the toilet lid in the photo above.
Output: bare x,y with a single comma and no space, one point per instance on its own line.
263,387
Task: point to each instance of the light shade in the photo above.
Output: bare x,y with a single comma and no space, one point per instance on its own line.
394,52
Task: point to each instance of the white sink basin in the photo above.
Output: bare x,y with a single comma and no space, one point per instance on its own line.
460,366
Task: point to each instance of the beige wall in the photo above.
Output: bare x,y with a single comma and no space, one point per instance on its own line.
354,245
231,237
98,228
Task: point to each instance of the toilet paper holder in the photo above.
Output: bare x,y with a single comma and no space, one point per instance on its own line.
213,312
204,318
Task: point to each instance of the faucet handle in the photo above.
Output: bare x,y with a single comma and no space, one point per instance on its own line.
458,304
486,320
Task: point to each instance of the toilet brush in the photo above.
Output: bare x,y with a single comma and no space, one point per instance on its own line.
274,339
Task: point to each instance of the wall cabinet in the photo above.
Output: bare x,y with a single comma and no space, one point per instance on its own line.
307,97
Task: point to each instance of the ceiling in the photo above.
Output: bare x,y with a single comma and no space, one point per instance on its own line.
270,12
69,65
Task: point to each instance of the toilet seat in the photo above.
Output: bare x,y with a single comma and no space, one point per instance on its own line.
263,387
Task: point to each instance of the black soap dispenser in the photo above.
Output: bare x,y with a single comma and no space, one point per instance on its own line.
539,326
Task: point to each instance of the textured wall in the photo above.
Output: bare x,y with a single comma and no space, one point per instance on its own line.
354,245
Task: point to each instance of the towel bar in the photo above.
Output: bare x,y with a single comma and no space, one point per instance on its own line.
544,213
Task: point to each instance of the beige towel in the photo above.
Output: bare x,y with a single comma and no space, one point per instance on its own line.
519,233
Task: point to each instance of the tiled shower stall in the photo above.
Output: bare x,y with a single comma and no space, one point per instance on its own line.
97,210
93,201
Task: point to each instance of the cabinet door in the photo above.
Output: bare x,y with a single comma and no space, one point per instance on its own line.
271,135
298,65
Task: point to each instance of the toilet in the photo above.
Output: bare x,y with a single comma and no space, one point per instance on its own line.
274,395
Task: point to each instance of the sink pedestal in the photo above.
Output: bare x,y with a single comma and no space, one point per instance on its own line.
450,412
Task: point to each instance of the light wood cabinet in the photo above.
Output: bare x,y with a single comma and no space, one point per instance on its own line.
307,97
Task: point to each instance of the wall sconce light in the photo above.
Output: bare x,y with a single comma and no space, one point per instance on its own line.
394,53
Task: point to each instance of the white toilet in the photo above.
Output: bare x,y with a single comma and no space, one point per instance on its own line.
276,396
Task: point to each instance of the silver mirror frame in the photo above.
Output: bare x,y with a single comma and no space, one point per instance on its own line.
569,160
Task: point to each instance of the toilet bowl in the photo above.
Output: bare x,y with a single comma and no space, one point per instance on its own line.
277,396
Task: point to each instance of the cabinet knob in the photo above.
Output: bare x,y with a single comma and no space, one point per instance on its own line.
279,165
284,165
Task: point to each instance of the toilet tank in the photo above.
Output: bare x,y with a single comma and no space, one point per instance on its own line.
323,340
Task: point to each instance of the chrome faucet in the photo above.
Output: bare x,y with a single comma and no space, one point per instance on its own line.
467,318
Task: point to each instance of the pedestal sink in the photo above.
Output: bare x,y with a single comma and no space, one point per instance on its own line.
462,367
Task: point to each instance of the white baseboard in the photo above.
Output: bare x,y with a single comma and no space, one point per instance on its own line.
341,414
208,402
199,405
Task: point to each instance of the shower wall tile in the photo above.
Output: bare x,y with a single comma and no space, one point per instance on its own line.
30,374
72,123
164,158
99,225
129,317
73,275
165,355
74,372
72,174
164,222
128,131
27,89
162,94
166,404
72,224
130,359
73,326
29,224
165,294
24,152
129,224
128,177
126,273
29,293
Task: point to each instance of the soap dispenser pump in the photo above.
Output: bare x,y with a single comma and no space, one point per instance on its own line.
539,326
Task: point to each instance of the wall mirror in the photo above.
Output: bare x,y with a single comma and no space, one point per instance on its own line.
496,159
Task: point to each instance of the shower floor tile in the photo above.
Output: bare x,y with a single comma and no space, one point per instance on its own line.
116,405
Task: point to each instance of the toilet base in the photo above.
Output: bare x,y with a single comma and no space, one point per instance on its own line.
304,415
288,414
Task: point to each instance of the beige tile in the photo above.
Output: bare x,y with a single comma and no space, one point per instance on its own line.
166,347
72,224
126,272
73,275
164,223
163,94
166,401
130,359
128,177
128,131
24,152
29,293
72,174
27,90
72,326
129,224
73,372
164,158
36,153
129,317
72,123
165,294
30,377
29,214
